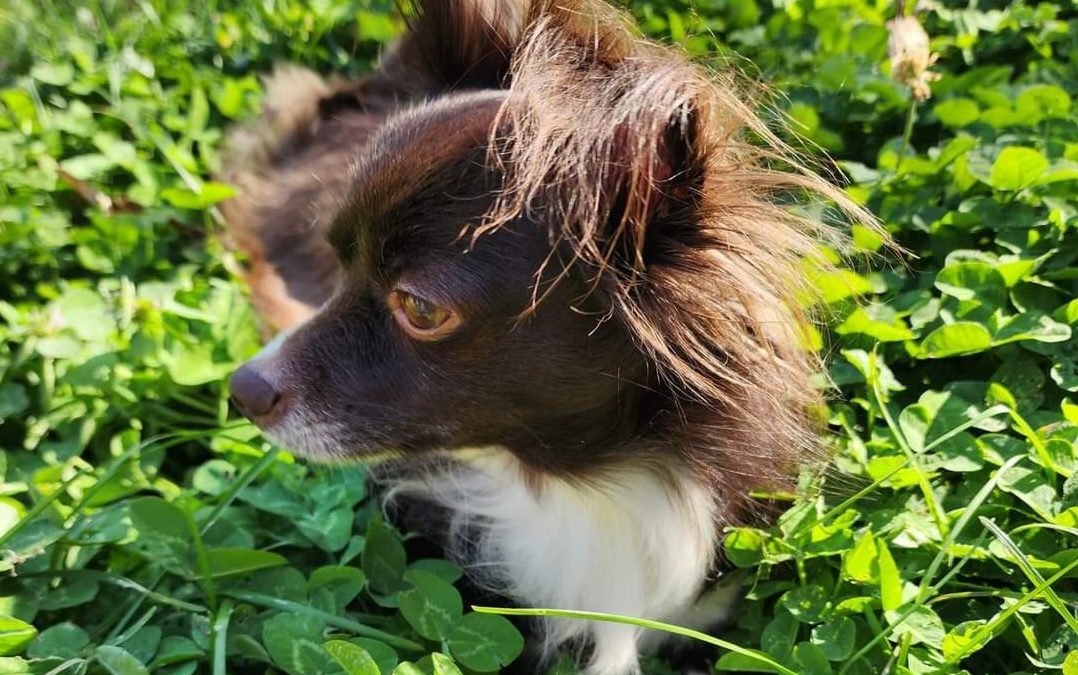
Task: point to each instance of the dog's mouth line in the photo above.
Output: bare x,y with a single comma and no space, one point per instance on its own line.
325,451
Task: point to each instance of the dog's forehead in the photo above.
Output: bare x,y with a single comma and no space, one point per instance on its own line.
415,171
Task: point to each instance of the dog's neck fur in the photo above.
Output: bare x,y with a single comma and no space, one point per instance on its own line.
634,542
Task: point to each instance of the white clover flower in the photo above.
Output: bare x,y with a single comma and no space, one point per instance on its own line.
910,56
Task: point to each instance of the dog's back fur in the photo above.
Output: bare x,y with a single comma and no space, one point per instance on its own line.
659,187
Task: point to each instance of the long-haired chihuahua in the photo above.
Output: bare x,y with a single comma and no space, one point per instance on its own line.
550,276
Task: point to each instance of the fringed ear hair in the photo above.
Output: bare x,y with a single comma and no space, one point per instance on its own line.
654,182
596,138
454,44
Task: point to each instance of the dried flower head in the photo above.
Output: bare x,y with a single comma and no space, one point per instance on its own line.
911,57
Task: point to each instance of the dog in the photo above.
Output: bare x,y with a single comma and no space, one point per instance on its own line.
548,278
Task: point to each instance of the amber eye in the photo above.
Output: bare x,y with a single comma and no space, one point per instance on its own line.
421,318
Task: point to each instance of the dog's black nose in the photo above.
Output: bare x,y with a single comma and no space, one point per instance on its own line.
252,393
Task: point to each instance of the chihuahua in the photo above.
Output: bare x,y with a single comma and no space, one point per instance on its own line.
548,276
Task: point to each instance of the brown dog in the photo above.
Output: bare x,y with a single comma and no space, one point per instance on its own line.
546,272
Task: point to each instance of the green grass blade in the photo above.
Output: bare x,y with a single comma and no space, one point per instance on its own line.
135,627
246,478
933,504
989,628
219,643
960,524
121,582
994,411
762,658
201,561
927,587
332,619
1031,573
1049,467
38,508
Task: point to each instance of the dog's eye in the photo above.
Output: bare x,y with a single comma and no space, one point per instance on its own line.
421,318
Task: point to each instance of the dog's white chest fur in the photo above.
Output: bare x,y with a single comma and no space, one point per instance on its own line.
632,544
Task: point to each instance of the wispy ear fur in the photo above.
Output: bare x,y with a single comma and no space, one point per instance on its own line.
664,184
454,45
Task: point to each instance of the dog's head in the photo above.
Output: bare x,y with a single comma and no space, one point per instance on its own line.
574,250
423,345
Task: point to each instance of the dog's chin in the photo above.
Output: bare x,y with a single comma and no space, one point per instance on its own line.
324,444
338,454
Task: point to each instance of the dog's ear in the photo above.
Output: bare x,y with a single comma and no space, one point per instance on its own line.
655,183
455,44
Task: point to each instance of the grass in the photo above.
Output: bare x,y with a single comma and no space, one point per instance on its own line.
144,529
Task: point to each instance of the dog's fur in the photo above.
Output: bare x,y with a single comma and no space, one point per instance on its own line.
613,224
